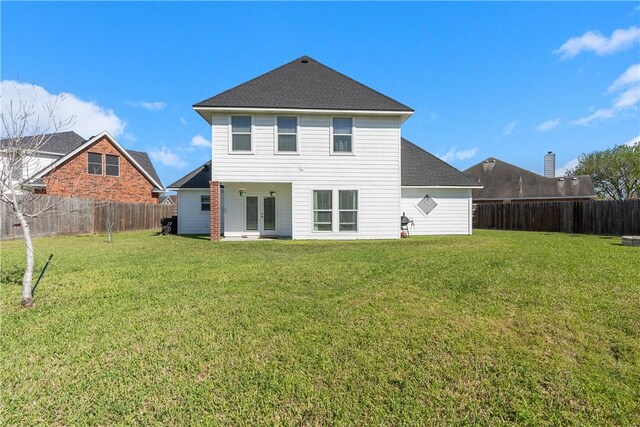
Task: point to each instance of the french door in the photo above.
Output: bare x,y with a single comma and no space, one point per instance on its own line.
260,215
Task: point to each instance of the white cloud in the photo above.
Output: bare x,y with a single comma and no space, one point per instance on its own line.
151,106
628,98
633,141
629,77
455,154
599,44
602,114
548,125
88,117
509,128
625,101
200,141
564,168
167,158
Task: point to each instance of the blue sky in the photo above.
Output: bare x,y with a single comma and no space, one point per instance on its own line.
485,79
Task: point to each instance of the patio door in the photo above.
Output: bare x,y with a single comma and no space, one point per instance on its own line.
260,215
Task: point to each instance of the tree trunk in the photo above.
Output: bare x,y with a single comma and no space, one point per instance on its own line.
27,297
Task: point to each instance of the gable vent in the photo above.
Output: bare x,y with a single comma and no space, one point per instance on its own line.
304,60
426,205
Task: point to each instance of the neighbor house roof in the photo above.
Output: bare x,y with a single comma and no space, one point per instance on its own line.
145,162
504,181
304,83
422,169
57,143
170,199
138,158
197,178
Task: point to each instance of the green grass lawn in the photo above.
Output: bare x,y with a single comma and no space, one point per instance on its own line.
496,328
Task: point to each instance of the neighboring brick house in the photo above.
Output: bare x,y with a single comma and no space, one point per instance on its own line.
101,169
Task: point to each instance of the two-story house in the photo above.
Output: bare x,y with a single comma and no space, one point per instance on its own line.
66,164
306,152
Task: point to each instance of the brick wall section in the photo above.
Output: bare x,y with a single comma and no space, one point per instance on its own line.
73,178
214,188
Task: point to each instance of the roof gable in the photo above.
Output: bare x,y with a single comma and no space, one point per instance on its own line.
197,178
138,159
143,160
304,84
421,168
502,180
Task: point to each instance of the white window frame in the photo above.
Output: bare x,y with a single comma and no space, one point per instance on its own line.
353,137
105,165
356,210
251,134
276,133
314,210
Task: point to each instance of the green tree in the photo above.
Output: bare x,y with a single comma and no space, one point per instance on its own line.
615,172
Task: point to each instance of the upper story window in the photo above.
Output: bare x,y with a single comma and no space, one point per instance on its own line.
94,165
241,133
112,165
342,135
287,134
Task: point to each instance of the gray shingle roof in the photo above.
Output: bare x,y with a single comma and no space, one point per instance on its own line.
304,84
421,168
502,180
143,160
58,143
198,178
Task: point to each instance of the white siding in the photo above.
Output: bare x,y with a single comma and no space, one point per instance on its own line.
451,216
37,163
33,164
191,218
373,170
234,212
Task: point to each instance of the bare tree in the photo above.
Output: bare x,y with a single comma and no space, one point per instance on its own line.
23,136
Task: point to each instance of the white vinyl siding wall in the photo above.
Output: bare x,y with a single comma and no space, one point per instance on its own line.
191,218
451,216
373,170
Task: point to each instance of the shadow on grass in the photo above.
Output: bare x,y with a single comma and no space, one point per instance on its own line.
192,236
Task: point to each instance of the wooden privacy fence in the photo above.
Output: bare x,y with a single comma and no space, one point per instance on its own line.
85,216
608,217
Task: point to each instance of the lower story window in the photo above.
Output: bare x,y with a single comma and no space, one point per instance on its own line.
205,203
348,210
322,210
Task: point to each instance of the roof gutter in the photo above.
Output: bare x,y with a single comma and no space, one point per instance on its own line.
442,186
534,198
207,112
